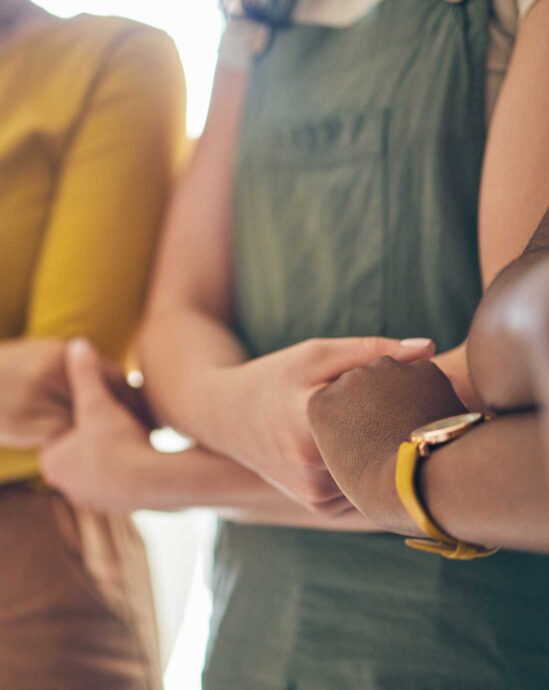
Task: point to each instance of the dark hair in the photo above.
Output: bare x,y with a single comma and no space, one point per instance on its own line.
275,13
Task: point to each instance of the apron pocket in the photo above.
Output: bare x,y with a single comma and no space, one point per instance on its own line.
318,197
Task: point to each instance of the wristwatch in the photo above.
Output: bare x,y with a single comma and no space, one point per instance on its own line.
410,455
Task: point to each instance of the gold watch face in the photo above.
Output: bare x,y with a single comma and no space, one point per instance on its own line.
445,430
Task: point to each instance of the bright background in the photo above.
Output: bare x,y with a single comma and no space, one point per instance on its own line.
178,545
194,25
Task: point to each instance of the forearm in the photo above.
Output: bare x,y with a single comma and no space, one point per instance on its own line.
198,479
178,351
488,487
515,181
187,327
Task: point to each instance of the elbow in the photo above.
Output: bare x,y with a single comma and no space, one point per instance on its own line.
509,339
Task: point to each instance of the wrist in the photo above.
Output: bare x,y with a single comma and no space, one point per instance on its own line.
147,481
382,504
221,414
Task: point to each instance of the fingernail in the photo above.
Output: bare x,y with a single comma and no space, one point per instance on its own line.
416,343
79,346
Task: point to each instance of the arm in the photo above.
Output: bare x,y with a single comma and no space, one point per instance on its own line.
490,486
196,478
515,184
105,217
487,487
92,268
198,375
512,325
190,310
515,180
106,462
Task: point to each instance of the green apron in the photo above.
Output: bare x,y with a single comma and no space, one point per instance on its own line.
356,204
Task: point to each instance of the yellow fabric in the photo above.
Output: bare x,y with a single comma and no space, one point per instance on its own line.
439,543
91,128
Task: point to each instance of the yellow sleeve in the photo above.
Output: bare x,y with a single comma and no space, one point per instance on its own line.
116,174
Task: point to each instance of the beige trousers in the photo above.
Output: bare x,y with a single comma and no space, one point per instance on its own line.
76,609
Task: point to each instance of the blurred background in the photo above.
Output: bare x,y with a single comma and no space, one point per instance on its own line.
194,25
179,544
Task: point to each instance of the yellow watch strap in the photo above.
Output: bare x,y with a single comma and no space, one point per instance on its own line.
407,462
441,543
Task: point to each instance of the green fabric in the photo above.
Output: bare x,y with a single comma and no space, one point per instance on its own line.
356,204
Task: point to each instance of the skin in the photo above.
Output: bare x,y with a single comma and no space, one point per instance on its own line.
116,468
35,401
198,376
489,486
360,420
515,185
513,321
36,405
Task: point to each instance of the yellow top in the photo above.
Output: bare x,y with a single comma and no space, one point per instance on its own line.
91,127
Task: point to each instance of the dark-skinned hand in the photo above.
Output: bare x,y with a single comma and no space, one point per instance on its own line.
360,420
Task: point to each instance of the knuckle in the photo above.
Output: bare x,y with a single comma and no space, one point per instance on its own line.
425,364
349,377
355,373
427,369
347,382
384,362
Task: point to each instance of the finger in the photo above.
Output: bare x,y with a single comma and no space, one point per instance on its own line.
88,388
329,358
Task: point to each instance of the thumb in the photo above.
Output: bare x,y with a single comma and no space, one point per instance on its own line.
89,392
338,355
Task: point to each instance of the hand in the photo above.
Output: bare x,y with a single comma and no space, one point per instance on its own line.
97,462
262,410
35,399
360,420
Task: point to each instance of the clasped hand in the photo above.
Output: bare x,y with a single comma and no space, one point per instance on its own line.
35,400
360,420
265,402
